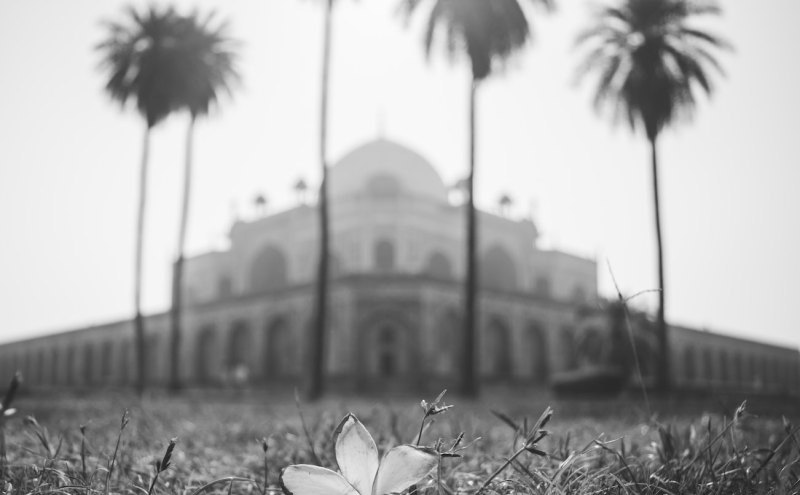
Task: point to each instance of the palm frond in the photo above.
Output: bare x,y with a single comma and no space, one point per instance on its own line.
605,87
167,62
695,8
208,62
488,31
700,53
691,34
667,59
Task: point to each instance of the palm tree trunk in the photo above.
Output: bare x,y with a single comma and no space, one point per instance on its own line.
138,320
177,278
663,371
315,386
469,382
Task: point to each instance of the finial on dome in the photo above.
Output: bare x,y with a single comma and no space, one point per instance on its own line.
504,204
301,189
260,204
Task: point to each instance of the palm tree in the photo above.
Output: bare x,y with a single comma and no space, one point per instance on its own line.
206,64
490,31
650,63
316,356
141,59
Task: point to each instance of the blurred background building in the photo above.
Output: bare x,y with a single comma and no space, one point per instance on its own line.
397,265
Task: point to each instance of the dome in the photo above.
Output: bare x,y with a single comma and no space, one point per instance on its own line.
385,168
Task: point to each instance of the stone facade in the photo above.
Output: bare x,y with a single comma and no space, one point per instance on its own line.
397,265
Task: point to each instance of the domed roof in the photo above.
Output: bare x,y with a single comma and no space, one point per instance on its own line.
382,167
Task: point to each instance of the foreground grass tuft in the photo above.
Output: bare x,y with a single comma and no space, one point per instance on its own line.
240,447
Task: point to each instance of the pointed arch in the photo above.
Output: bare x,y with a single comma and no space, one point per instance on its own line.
71,374
439,266
708,366
568,351
648,357
204,355
26,363
724,366
446,346
224,287
737,369
498,271
33,366
88,364
152,358
498,349
55,366
240,344
388,350
105,361
689,365
42,366
125,362
752,370
384,256
335,265
543,286
269,270
388,340
536,352
282,349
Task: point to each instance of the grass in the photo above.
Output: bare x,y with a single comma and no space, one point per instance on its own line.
231,443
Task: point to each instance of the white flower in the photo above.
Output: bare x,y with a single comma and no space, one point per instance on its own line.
362,473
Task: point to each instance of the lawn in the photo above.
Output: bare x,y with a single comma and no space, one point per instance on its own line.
613,446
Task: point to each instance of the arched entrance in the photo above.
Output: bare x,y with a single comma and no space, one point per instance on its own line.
70,371
384,254
498,270
269,270
497,354
239,346
445,355
125,362
387,363
204,354
282,356
88,364
537,353
390,358
55,366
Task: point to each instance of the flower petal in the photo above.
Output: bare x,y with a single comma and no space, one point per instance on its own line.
305,479
402,467
356,454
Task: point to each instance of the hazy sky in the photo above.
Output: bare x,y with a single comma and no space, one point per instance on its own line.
69,157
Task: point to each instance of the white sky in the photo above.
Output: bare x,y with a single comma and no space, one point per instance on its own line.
69,157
